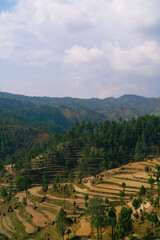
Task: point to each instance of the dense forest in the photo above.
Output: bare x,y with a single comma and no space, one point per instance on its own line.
46,118
85,147
110,108
18,145
108,144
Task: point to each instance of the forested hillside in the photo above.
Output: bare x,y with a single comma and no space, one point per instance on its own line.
47,118
85,147
78,138
92,148
18,145
126,107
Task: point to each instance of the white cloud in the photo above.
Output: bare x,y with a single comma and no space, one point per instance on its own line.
77,55
91,42
142,59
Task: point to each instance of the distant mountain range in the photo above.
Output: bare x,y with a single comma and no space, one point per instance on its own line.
64,112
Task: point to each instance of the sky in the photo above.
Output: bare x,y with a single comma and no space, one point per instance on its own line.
80,48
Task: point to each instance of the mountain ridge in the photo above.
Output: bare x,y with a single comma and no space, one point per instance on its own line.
74,110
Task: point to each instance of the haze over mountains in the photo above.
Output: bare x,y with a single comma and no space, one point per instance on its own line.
64,112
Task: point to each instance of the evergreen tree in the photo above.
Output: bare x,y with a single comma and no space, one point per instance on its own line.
96,214
62,222
124,222
44,183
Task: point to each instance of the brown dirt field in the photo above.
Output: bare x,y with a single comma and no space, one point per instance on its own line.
82,190
85,228
118,209
34,191
20,196
28,227
98,191
141,175
50,215
110,186
149,209
136,166
91,193
7,224
49,205
113,190
3,230
155,161
134,176
38,218
125,175
58,198
129,183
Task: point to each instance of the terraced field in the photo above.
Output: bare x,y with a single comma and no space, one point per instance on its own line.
37,218
52,167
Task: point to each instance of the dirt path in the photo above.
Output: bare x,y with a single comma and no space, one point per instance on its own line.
20,197
28,227
85,228
81,190
34,191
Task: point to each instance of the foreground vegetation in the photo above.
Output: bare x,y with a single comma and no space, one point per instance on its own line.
117,203
100,180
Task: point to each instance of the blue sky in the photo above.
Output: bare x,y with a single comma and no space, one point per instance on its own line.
80,48
6,4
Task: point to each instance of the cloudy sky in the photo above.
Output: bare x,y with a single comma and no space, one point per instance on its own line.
80,48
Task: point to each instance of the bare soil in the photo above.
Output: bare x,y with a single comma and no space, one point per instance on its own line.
28,227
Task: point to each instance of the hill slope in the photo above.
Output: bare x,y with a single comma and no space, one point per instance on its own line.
127,106
45,117
19,144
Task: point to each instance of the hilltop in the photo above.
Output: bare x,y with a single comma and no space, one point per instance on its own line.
126,106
